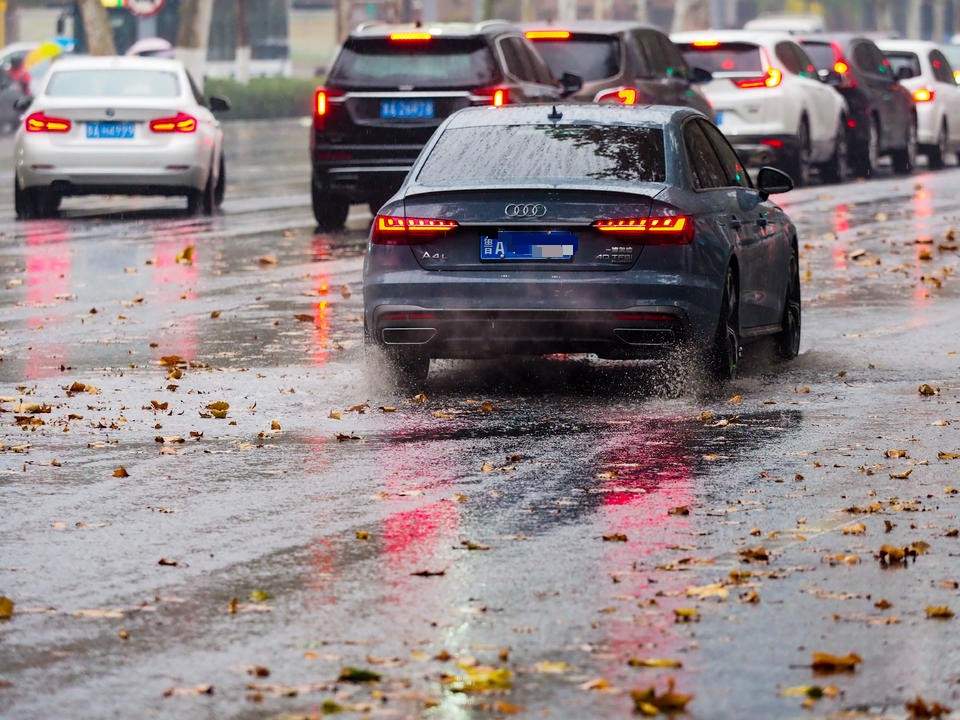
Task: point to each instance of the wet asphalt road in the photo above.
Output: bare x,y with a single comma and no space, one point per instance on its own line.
300,553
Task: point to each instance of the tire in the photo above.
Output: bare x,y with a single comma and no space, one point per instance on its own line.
330,210
723,356
798,165
905,159
788,339
937,154
221,189
837,168
22,201
202,202
866,159
43,202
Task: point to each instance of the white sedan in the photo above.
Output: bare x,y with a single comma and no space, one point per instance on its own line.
119,126
926,72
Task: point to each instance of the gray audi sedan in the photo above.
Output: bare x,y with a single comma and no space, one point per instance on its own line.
621,231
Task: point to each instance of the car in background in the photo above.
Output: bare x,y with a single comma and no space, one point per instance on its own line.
952,52
769,101
620,62
924,70
883,118
391,86
118,126
622,231
11,96
788,23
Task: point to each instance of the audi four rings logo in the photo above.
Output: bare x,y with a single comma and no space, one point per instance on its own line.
525,210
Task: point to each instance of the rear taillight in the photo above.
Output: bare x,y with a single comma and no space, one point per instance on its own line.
41,122
924,95
179,123
620,95
771,79
674,230
397,230
496,96
323,100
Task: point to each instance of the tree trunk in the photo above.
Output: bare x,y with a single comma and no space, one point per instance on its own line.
193,35
97,28
243,44
691,15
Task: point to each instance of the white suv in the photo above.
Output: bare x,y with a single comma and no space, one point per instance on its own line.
924,70
770,102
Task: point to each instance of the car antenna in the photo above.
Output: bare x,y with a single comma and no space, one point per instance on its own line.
555,115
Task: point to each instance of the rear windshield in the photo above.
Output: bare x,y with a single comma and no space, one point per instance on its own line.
822,54
592,58
907,60
113,83
546,153
435,63
723,58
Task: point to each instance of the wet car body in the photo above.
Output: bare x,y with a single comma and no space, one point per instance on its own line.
620,62
609,290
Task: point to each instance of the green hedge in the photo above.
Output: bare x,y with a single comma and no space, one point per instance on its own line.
274,97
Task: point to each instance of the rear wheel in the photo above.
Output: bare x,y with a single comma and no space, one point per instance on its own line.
837,168
42,202
723,355
22,201
866,159
937,154
798,165
905,159
221,188
202,201
788,339
329,209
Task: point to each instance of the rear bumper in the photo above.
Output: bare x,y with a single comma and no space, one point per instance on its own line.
644,333
757,150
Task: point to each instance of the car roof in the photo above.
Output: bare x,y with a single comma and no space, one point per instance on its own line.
116,62
907,45
573,114
839,38
441,29
753,37
592,27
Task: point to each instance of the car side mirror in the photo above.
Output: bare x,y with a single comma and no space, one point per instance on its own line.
570,83
22,102
771,181
904,73
219,104
699,76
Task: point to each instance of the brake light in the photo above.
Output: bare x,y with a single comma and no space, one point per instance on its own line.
924,95
180,123
396,230
623,96
840,67
548,34
774,143
410,36
320,106
702,44
772,79
675,230
501,97
41,122
956,76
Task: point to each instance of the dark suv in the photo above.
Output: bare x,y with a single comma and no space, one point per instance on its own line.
389,89
621,62
882,117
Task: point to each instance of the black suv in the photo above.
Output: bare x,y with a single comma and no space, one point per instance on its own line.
621,62
392,85
882,117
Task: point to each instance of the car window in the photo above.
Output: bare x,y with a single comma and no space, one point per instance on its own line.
636,56
808,68
197,95
789,59
438,62
724,59
869,59
541,73
526,60
113,83
822,54
900,60
512,55
649,45
706,169
942,69
676,65
546,153
592,57
732,167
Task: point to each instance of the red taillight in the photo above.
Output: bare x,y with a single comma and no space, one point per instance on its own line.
41,122
323,100
501,97
675,230
179,123
851,123
774,143
771,79
622,96
548,34
396,230
320,106
495,96
924,95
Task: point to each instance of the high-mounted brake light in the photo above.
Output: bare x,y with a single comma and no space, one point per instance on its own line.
621,95
410,36
548,34
180,123
396,230
706,44
924,95
675,230
771,79
41,122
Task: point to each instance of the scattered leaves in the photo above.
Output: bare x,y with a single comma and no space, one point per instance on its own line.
6,608
121,472
358,675
648,702
939,612
827,663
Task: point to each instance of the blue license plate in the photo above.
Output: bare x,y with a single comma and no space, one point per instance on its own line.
110,130
524,245
406,109
718,117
